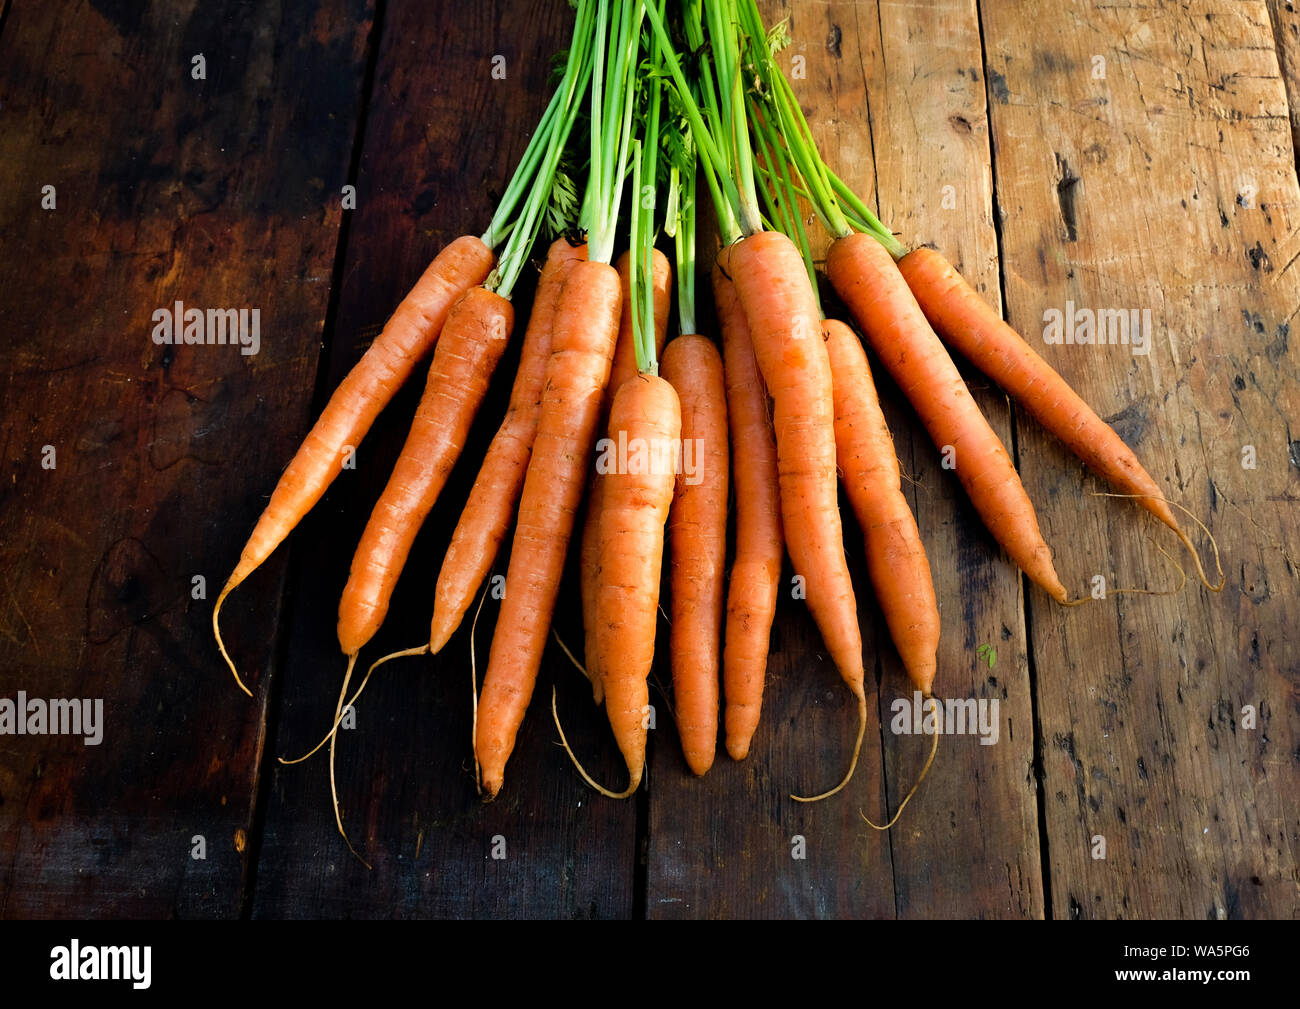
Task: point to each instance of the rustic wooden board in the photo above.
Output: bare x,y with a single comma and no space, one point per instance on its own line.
1170,184
442,138
217,192
1285,17
735,844
968,845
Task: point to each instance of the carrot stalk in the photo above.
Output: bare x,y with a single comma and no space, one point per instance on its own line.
475,337
645,412
785,327
966,321
586,326
624,367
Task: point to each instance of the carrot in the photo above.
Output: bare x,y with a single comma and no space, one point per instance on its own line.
491,503
367,389
756,568
582,347
784,324
645,416
784,321
476,333
623,368
896,561
697,535
865,277
969,323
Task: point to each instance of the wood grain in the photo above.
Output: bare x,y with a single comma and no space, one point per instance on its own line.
1169,184
217,192
968,845
442,139
1166,725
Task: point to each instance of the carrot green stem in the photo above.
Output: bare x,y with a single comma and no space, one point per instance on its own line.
683,190
782,199
611,121
523,176
706,93
744,207
645,167
866,220
792,145
542,159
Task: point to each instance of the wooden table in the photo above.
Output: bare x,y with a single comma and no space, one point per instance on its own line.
1087,153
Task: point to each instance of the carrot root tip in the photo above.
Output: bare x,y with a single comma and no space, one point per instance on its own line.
338,718
934,748
1138,591
334,789
1186,540
857,749
597,693
216,633
635,776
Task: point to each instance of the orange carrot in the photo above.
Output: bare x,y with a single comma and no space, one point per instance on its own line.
896,561
697,536
405,339
969,323
477,330
582,347
491,503
623,368
756,568
866,278
646,417
785,326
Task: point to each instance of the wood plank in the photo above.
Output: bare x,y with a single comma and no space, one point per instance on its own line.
778,858
1285,17
1169,184
968,844
442,138
216,192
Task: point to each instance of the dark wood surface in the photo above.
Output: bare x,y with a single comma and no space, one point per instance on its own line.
1170,183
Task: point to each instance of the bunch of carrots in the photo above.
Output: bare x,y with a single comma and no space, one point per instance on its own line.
605,415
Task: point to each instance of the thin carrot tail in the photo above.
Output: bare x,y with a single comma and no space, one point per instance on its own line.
634,776
1138,591
216,633
1186,540
334,789
598,694
473,693
338,719
934,748
857,749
